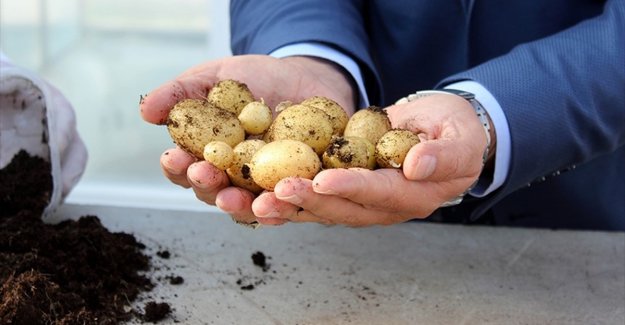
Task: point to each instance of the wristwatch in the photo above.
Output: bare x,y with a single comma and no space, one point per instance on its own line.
481,114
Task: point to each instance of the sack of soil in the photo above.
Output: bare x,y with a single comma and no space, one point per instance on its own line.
36,119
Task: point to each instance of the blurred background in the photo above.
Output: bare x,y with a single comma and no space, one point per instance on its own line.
104,54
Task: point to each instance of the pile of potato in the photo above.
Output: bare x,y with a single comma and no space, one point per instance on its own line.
238,134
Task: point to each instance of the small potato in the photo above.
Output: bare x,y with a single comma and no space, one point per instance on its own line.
239,172
302,123
349,152
369,123
283,158
219,153
193,123
256,117
337,114
230,95
393,147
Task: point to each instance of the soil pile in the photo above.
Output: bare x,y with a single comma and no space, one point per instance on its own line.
74,272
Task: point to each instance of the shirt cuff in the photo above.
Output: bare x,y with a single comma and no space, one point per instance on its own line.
323,51
489,183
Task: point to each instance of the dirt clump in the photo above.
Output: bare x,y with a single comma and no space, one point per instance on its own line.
73,272
156,311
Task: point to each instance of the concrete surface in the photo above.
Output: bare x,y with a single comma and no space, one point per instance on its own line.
406,274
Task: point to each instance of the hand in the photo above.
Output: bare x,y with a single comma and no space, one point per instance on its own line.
442,166
274,80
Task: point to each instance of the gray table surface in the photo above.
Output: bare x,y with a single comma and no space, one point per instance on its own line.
415,273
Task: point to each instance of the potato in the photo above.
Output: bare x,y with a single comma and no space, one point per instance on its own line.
337,114
349,152
230,95
239,172
283,158
193,123
219,153
256,117
302,123
393,146
369,123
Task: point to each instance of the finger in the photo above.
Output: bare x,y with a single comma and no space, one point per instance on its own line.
237,202
174,163
307,216
266,207
384,189
206,181
155,106
330,209
271,210
443,160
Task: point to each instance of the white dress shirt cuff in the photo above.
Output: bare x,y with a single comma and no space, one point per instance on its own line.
323,51
489,183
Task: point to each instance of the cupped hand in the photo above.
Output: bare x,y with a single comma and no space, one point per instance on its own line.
443,165
274,80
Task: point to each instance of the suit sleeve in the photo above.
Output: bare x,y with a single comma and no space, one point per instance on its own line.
563,96
260,27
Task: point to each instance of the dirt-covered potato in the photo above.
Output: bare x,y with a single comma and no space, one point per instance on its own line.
239,172
256,117
302,123
369,123
348,152
219,153
230,95
283,158
337,114
193,123
393,146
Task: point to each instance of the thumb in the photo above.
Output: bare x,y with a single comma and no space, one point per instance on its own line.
442,160
155,106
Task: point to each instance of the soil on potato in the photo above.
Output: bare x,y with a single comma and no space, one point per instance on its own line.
334,150
74,272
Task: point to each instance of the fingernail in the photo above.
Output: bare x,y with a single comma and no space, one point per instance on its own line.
293,199
317,187
425,167
326,191
272,214
169,169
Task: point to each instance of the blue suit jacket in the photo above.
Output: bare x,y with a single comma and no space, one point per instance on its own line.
556,67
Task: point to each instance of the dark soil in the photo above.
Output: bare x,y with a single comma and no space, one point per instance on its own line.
175,279
156,311
24,191
74,272
163,254
259,259
335,149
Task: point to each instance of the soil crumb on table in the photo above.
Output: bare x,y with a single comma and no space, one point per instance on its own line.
165,254
175,279
74,272
250,282
156,311
259,259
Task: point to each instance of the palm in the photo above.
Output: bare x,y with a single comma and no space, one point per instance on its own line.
272,79
278,80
